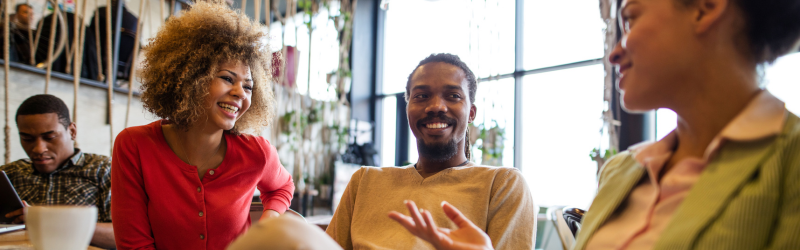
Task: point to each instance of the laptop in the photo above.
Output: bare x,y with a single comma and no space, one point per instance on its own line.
7,228
9,202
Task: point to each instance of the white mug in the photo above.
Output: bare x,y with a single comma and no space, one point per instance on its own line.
60,227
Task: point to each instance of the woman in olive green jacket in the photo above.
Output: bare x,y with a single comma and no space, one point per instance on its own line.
729,176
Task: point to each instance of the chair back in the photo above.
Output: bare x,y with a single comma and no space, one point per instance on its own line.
556,216
290,212
573,217
257,209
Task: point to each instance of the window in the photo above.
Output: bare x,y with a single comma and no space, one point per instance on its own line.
324,51
562,32
561,126
495,119
389,131
781,79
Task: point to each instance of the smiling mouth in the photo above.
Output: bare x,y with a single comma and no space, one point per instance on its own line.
437,125
622,68
228,108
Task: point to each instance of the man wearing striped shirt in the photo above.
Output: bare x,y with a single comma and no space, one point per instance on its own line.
57,173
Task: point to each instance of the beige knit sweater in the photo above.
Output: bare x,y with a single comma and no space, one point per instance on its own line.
496,199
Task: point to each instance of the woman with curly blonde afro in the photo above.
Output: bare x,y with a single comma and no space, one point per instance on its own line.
187,180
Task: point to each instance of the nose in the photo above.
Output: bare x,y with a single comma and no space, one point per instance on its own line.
39,147
616,55
238,90
436,105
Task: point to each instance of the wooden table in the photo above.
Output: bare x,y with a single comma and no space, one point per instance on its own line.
19,240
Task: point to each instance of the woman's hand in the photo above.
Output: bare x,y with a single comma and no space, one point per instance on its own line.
269,213
420,223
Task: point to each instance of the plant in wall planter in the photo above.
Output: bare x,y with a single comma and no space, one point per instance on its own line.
489,143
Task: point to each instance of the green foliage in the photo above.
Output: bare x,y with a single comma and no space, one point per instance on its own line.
607,154
325,179
496,151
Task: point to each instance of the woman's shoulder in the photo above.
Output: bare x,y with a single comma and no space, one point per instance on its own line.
141,130
617,163
792,126
138,134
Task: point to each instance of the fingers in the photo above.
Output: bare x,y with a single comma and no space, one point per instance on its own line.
456,216
19,220
405,221
15,213
431,228
414,212
25,204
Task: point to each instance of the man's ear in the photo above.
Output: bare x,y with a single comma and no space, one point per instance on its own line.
473,111
708,13
73,130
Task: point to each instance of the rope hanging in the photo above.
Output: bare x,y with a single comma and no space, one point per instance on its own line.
172,4
30,45
96,19
7,129
110,78
50,47
35,44
257,16
161,5
267,6
135,53
80,36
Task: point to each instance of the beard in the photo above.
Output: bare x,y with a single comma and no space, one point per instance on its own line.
438,152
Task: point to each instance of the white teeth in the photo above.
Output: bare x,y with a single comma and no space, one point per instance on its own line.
436,125
229,108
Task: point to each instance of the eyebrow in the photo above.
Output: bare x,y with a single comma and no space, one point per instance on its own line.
453,87
426,87
237,75
45,133
421,87
625,6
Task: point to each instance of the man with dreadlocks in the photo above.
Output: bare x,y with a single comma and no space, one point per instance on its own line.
440,93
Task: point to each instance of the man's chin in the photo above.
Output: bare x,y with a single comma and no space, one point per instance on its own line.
437,151
44,168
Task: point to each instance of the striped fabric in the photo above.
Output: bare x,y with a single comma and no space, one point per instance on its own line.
747,198
85,179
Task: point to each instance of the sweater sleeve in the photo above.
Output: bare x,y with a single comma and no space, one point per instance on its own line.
512,220
339,228
129,200
276,185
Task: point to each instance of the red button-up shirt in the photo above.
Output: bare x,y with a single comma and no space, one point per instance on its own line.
159,202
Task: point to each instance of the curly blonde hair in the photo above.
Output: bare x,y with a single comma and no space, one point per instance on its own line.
181,61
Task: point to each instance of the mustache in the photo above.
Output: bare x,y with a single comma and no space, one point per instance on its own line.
440,116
